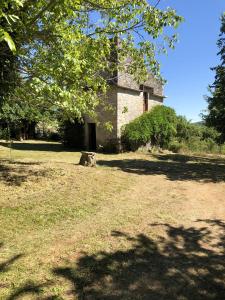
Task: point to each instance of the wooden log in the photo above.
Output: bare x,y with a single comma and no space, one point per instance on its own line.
88,159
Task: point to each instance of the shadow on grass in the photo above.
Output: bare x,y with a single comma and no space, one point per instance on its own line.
187,158
38,146
186,263
174,167
16,173
6,265
29,288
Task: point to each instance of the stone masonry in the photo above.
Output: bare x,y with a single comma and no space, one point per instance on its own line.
126,99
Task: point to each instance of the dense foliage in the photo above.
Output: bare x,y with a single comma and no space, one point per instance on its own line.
192,137
216,102
62,48
17,117
162,128
157,127
187,130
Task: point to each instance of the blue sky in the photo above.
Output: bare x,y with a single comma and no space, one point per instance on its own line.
187,68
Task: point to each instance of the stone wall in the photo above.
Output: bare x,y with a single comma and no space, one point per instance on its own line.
106,112
153,101
130,106
155,84
126,80
126,105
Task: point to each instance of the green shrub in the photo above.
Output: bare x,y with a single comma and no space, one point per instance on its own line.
183,129
4,134
222,149
157,127
162,128
196,145
136,133
186,130
176,147
209,133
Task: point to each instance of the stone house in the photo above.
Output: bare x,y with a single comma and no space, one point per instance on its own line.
127,99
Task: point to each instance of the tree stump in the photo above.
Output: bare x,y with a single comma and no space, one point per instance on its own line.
88,159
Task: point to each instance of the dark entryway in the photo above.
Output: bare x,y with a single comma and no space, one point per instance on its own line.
92,136
74,135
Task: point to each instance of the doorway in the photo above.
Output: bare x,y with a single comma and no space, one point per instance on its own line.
91,136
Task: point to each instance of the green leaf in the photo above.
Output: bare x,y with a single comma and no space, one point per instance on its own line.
9,41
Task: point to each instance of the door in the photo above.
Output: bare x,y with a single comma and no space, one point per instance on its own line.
91,136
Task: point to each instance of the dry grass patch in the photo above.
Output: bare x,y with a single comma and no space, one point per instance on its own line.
136,227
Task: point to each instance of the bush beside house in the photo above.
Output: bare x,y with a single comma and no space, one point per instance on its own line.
156,127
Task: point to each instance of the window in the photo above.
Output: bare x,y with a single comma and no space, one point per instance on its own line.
145,102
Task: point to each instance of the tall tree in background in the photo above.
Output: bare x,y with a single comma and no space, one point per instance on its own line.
8,71
216,102
64,46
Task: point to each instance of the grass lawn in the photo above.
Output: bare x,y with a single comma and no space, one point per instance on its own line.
138,226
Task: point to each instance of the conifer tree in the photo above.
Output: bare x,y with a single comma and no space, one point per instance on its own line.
216,102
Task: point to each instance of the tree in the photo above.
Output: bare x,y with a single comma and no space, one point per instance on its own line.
216,102
63,47
7,19
8,8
